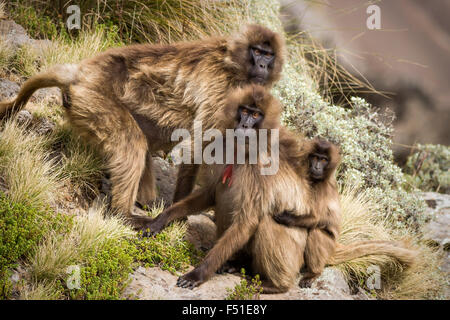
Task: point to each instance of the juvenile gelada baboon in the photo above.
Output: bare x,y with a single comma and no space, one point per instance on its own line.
128,100
318,162
245,208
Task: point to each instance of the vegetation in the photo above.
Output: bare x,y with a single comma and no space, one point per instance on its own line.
167,250
428,168
246,290
39,173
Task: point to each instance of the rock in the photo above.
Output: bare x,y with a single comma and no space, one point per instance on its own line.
13,34
166,177
438,229
331,285
48,95
154,283
8,89
44,127
201,232
24,117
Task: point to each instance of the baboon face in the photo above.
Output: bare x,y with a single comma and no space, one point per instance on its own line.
262,60
323,160
248,117
257,55
318,164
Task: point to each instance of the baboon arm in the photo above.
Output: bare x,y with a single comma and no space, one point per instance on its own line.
234,238
185,181
196,202
291,220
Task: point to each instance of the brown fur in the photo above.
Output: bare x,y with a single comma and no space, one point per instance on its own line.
128,100
324,219
244,210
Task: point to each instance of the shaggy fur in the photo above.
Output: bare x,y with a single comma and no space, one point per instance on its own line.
245,211
127,101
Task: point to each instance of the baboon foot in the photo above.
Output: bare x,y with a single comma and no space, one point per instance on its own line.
306,282
192,279
269,288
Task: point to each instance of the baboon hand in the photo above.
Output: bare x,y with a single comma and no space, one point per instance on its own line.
153,227
192,279
285,218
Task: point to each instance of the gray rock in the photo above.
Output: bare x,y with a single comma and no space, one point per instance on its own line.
166,177
8,89
201,232
438,229
44,127
24,117
13,34
155,284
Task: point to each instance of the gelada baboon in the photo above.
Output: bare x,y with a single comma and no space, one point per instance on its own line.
245,208
128,100
323,221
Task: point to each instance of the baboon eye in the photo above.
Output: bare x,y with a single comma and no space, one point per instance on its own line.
257,52
268,55
255,115
244,111
323,161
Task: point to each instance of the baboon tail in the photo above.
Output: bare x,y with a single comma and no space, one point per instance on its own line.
59,76
376,247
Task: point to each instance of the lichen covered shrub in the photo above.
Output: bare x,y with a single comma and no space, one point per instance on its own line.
428,168
363,135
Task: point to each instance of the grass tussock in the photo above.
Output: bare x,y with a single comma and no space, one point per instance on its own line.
80,162
2,10
29,174
90,231
361,221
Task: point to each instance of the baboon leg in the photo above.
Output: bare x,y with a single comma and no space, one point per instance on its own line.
269,288
147,187
234,238
185,181
319,248
126,166
199,200
242,259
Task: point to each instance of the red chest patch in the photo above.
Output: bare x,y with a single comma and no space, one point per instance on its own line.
228,174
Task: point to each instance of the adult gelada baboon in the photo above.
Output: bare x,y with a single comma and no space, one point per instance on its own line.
128,100
245,208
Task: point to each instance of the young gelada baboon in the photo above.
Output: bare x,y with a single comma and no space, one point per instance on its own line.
128,100
244,200
319,160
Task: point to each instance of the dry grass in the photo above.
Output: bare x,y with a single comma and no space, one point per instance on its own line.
89,232
2,10
31,177
41,291
176,230
361,221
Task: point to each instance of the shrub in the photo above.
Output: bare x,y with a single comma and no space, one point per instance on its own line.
428,168
245,290
22,227
105,272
